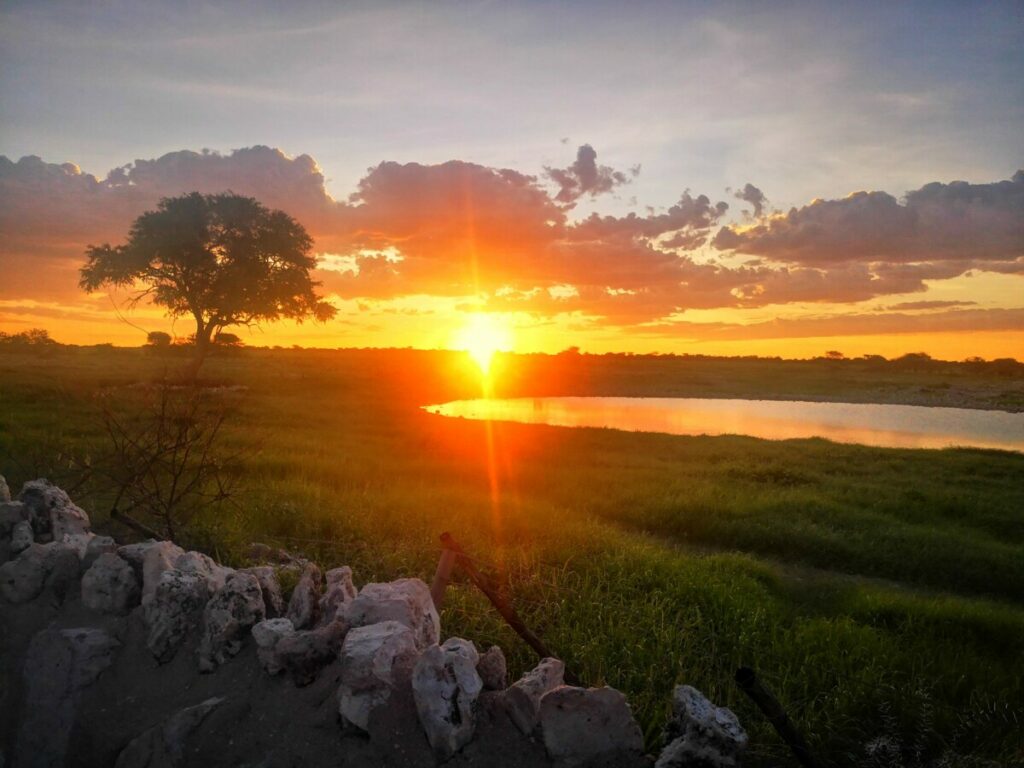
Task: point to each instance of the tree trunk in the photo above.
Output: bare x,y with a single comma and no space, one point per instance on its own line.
203,334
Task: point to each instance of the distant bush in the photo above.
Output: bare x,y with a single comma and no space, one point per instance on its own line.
34,337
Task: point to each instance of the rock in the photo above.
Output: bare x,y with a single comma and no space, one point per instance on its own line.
305,652
5,491
375,661
701,734
79,542
263,553
407,601
51,511
58,664
135,554
21,536
216,575
273,601
493,669
304,603
173,610
157,558
583,725
110,585
11,513
232,610
97,546
163,746
445,687
38,566
268,634
523,697
340,591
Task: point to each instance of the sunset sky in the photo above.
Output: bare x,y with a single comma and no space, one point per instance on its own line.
762,178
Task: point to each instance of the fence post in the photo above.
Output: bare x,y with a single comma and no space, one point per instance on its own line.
747,680
442,575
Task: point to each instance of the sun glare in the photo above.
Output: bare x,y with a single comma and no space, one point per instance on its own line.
482,336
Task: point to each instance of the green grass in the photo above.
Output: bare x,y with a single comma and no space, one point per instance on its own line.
878,592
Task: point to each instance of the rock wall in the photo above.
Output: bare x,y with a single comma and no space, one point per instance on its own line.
148,655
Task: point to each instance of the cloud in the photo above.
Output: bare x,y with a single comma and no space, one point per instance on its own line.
982,224
586,177
931,304
754,196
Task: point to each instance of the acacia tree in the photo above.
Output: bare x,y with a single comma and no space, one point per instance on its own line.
225,260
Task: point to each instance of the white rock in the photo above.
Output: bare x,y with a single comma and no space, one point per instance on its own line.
173,610
339,592
163,745
205,566
232,610
305,652
21,536
267,634
135,554
445,687
406,601
11,513
523,697
97,546
36,567
493,669
588,724
79,542
305,600
273,601
110,585
157,558
700,733
375,661
5,491
51,511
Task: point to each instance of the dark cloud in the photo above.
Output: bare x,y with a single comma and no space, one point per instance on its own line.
586,177
754,196
962,222
906,305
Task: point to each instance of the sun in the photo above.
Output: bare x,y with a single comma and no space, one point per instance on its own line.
482,335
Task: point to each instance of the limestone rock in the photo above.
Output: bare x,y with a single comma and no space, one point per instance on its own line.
58,664
110,585
493,669
36,567
97,546
157,558
216,575
263,553
21,536
51,511
232,610
304,603
11,513
273,600
523,697
173,610
445,687
375,661
700,733
582,725
5,491
163,745
79,542
406,601
268,634
135,554
305,652
339,592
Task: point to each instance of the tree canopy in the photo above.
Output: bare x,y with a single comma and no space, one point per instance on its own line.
225,260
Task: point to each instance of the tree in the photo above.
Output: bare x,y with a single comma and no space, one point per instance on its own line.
834,354
158,339
225,260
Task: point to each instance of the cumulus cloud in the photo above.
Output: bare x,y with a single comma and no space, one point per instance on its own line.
500,238
754,196
978,223
586,177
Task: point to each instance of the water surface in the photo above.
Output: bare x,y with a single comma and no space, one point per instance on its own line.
893,426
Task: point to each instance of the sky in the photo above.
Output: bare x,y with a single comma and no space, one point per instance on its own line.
712,178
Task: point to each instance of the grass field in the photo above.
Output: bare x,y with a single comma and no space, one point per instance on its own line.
878,592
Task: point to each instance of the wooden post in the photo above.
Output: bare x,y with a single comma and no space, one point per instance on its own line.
441,576
747,680
508,613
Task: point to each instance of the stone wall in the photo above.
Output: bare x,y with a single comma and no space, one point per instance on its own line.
148,655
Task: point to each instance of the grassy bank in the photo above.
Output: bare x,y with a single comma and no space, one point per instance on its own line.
879,592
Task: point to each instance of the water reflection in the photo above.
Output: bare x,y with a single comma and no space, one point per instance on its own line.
895,426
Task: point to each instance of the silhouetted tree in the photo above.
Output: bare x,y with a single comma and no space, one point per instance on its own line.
834,354
225,260
158,339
